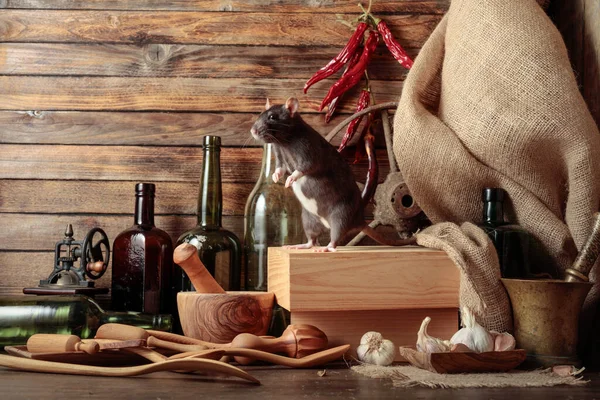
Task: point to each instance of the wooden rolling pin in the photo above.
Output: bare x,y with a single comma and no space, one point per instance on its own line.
53,343
587,256
186,256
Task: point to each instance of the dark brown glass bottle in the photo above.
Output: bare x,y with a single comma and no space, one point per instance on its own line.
218,249
142,268
510,240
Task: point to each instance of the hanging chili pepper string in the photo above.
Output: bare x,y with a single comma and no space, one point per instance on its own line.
334,102
355,74
342,58
363,102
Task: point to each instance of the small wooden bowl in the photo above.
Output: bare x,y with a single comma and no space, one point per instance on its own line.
220,317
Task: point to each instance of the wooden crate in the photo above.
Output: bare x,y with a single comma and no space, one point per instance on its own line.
360,289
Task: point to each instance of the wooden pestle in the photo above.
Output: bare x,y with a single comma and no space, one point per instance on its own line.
186,256
121,332
587,256
54,343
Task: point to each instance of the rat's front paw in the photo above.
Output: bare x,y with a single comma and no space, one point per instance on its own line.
277,174
289,181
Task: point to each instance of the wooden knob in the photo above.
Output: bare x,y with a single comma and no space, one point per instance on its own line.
186,256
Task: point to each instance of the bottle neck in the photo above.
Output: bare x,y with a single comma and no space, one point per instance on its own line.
268,162
493,212
144,209
210,198
160,322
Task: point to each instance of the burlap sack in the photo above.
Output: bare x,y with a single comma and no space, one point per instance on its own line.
491,101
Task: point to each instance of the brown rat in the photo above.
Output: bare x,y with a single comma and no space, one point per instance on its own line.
320,178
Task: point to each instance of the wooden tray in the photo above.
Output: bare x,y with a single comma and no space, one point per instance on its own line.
110,358
457,363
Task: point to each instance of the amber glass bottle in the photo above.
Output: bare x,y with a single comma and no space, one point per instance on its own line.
142,268
273,217
218,249
511,241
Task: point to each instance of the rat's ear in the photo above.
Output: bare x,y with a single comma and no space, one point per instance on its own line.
267,104
292,105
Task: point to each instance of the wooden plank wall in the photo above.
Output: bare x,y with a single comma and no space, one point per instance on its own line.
97,95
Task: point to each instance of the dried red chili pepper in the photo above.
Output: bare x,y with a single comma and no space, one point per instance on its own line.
361,150
363,102
373,171
393,46
355,74
333,104
342,58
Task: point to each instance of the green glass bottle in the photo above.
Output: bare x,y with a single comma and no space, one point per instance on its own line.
511,241
273,217
218,248
23,316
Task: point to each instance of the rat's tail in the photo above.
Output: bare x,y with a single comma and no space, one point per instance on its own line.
379,238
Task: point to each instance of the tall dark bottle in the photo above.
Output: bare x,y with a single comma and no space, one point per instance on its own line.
218,249
273,217
142,269
510,240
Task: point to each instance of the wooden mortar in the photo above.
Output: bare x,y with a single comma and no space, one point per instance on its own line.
213,315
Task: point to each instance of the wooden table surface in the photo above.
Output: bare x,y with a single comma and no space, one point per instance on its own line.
277,383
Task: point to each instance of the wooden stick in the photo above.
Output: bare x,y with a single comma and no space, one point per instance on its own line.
186,256
55,343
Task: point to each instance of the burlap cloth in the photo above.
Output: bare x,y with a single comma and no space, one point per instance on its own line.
409,376
492,101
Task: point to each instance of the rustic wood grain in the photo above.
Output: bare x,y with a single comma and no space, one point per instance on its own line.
326,6
26,269
219,318
222,28
142,128
117,197
399,326
42,231
394,278
166,94
136,163
176,60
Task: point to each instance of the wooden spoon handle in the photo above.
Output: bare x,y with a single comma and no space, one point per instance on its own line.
187,364
313,360
175,338
163,344
186,256
147,353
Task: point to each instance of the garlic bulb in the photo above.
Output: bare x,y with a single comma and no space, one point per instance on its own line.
374,349
473,335
428,344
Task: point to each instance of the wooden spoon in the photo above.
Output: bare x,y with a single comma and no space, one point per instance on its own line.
187,364
312,360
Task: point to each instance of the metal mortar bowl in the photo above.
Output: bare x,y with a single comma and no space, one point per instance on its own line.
546,318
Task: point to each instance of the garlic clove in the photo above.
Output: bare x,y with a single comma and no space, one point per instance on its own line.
429,344
473,335
374,349
504,342
460,348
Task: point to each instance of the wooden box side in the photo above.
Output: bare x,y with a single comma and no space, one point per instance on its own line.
399,326
364,278
278,276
